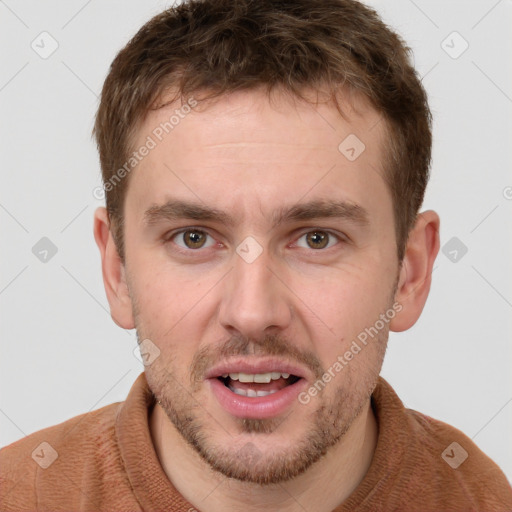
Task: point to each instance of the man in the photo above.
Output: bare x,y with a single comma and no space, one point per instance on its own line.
264,165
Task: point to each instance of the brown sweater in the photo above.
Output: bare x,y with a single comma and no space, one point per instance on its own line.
105,461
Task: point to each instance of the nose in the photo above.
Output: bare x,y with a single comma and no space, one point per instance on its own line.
255,299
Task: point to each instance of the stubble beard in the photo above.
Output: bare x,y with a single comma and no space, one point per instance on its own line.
241,455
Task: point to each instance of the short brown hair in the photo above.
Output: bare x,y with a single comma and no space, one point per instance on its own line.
225,45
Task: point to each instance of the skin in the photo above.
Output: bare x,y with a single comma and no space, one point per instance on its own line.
302,301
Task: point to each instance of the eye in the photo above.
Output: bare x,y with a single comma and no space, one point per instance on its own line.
318,239
191,239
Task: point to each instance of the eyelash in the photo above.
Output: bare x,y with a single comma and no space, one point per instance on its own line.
170,236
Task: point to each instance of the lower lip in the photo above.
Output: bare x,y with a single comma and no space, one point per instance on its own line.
259,406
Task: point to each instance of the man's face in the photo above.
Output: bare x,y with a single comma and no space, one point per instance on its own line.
256,291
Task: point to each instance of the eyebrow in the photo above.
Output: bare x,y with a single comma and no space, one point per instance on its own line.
175,209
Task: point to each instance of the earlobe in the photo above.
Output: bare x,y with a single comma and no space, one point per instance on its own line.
113,270
416,271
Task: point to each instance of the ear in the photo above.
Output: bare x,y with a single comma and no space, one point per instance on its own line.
114,275
416,270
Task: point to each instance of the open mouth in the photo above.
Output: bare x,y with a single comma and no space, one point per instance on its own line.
257,384
257,388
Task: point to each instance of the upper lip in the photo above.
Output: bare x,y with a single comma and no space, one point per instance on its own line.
251,366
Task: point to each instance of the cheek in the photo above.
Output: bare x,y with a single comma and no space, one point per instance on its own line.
345,303
161,304
169,311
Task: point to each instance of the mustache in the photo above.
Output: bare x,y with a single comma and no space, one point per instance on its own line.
239,345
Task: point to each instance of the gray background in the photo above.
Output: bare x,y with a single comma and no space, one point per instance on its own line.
62,355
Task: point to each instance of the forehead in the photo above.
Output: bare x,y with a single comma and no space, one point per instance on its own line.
257,116
257,148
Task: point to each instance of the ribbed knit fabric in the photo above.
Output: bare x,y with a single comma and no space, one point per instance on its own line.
106,462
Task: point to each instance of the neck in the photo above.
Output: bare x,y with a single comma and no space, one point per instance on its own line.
322,487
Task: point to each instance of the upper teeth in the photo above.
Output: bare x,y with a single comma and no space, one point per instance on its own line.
256,377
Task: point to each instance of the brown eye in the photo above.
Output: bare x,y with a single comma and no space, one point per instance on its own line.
317,239
193,238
